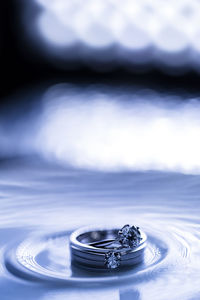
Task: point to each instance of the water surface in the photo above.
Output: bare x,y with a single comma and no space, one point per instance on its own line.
41,203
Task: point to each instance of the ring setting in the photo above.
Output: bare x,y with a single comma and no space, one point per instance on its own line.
112,259
107,248
129,236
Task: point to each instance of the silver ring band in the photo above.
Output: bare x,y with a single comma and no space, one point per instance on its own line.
111,255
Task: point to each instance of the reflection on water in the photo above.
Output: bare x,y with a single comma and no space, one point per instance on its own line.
37,198
129,294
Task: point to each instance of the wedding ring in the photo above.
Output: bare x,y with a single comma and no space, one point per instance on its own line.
107,248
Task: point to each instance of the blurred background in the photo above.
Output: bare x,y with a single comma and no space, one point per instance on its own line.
121,64
100,123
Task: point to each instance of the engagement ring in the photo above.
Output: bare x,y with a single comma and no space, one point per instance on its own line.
104,248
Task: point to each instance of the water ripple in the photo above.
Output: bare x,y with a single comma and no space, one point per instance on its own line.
47,257
36,221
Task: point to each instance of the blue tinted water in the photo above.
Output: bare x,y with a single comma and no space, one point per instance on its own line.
40,203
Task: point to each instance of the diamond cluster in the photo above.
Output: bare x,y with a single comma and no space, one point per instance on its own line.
128,237
112,259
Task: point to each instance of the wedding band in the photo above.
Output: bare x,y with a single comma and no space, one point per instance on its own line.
107,248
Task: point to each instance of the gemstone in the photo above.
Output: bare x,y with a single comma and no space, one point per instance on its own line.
129,236
112,259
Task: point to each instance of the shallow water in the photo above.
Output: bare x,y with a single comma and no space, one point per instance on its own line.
41,203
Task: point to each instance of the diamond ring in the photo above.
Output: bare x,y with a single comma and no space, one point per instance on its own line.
107,248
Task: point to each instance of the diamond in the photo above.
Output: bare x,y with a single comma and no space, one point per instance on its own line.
129,237
112,259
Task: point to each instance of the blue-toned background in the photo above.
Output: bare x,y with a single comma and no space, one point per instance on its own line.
99,124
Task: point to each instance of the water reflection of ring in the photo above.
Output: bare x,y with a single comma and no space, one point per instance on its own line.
104,248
